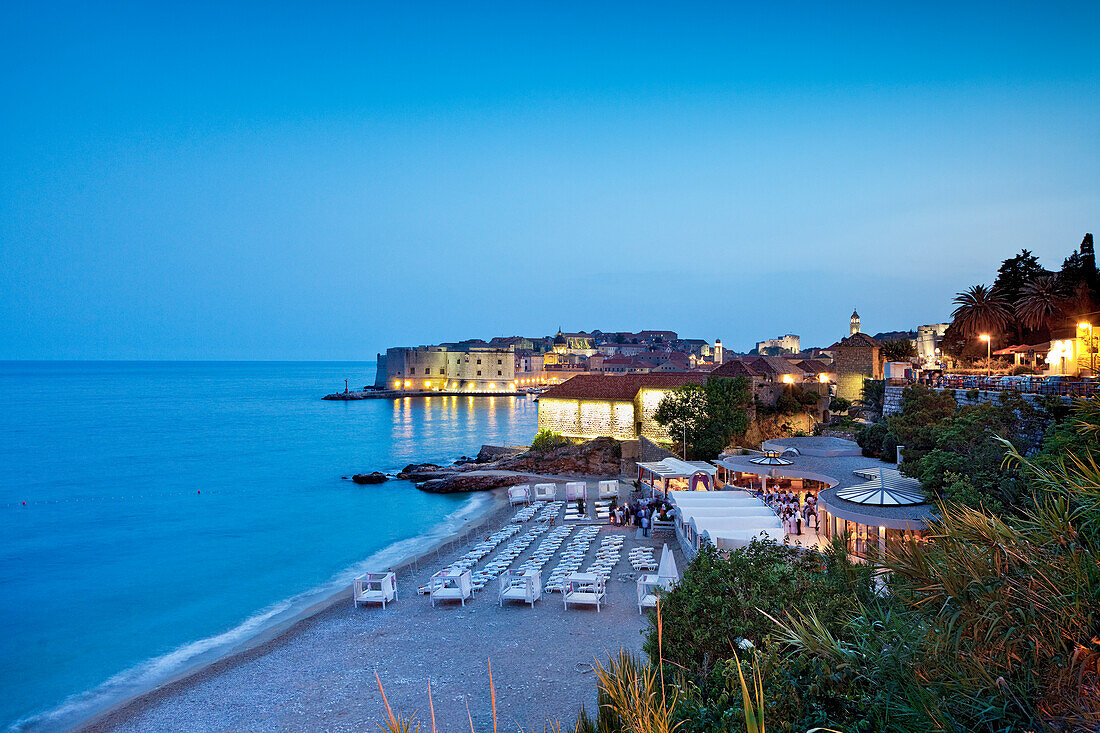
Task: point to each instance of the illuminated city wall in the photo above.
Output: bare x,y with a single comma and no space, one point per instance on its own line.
577,418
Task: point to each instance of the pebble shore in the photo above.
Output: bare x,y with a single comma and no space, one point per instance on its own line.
319,675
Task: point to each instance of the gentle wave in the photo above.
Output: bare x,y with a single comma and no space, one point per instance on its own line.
190,658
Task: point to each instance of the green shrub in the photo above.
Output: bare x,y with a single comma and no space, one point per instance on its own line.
547,440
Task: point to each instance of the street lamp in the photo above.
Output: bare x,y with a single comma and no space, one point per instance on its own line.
988,354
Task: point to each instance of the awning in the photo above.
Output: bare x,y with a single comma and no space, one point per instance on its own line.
675,468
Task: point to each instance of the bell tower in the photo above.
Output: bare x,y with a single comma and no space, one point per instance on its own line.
853,328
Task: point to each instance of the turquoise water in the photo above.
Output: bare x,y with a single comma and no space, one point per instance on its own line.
174,509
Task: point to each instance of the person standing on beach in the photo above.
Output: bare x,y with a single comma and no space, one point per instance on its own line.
645,523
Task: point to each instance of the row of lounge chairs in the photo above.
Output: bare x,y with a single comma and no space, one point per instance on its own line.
641,558
572,557
607,557
475,554
506,557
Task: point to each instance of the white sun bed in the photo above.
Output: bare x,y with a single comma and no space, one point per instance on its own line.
375,588
584,589
519,494
519,585
648,585
451,586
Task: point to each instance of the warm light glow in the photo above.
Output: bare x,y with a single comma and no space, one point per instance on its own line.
396,383
788,379
512,385
427,384
823,378
492,385
984,337
1084,326
408,383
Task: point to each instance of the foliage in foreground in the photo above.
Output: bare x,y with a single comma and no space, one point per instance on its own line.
993,625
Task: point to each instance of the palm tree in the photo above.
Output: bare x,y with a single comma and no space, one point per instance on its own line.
1041,303
981,310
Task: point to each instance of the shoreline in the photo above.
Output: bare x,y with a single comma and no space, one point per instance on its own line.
319,674
495,506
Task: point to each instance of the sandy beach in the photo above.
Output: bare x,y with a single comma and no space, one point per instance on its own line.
320,673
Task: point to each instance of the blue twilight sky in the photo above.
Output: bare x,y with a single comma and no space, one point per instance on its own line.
262,181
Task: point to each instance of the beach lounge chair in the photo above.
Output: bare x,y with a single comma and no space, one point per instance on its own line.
545,492
584,589
375,588
451,586
520,585
519,494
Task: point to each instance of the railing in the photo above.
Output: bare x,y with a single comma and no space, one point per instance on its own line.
1056,386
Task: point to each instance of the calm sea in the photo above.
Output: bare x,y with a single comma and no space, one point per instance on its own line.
173,510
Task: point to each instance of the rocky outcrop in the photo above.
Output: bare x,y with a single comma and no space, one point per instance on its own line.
463,482
490,453
597,457
418,472
376,477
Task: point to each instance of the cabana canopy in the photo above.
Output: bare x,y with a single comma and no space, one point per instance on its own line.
675,468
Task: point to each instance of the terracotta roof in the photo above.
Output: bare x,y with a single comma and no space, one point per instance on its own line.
856,340
736,368
623,387
812,366
775,366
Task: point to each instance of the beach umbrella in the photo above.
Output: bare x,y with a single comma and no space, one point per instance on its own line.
667,574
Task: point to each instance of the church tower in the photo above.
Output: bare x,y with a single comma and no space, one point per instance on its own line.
854,325
719,353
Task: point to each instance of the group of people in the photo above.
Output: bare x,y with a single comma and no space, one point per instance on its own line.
641,513
793,514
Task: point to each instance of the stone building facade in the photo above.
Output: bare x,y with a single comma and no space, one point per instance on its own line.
447,368
619,406
856,358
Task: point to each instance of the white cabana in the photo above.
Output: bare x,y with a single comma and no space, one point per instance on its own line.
648,587
545,492
713,498
520,585
609,489
586,589
375,588
574,490
447,585
733,539
725,518
519,494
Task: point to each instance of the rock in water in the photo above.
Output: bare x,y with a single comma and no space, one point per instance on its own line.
423,472
369,478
